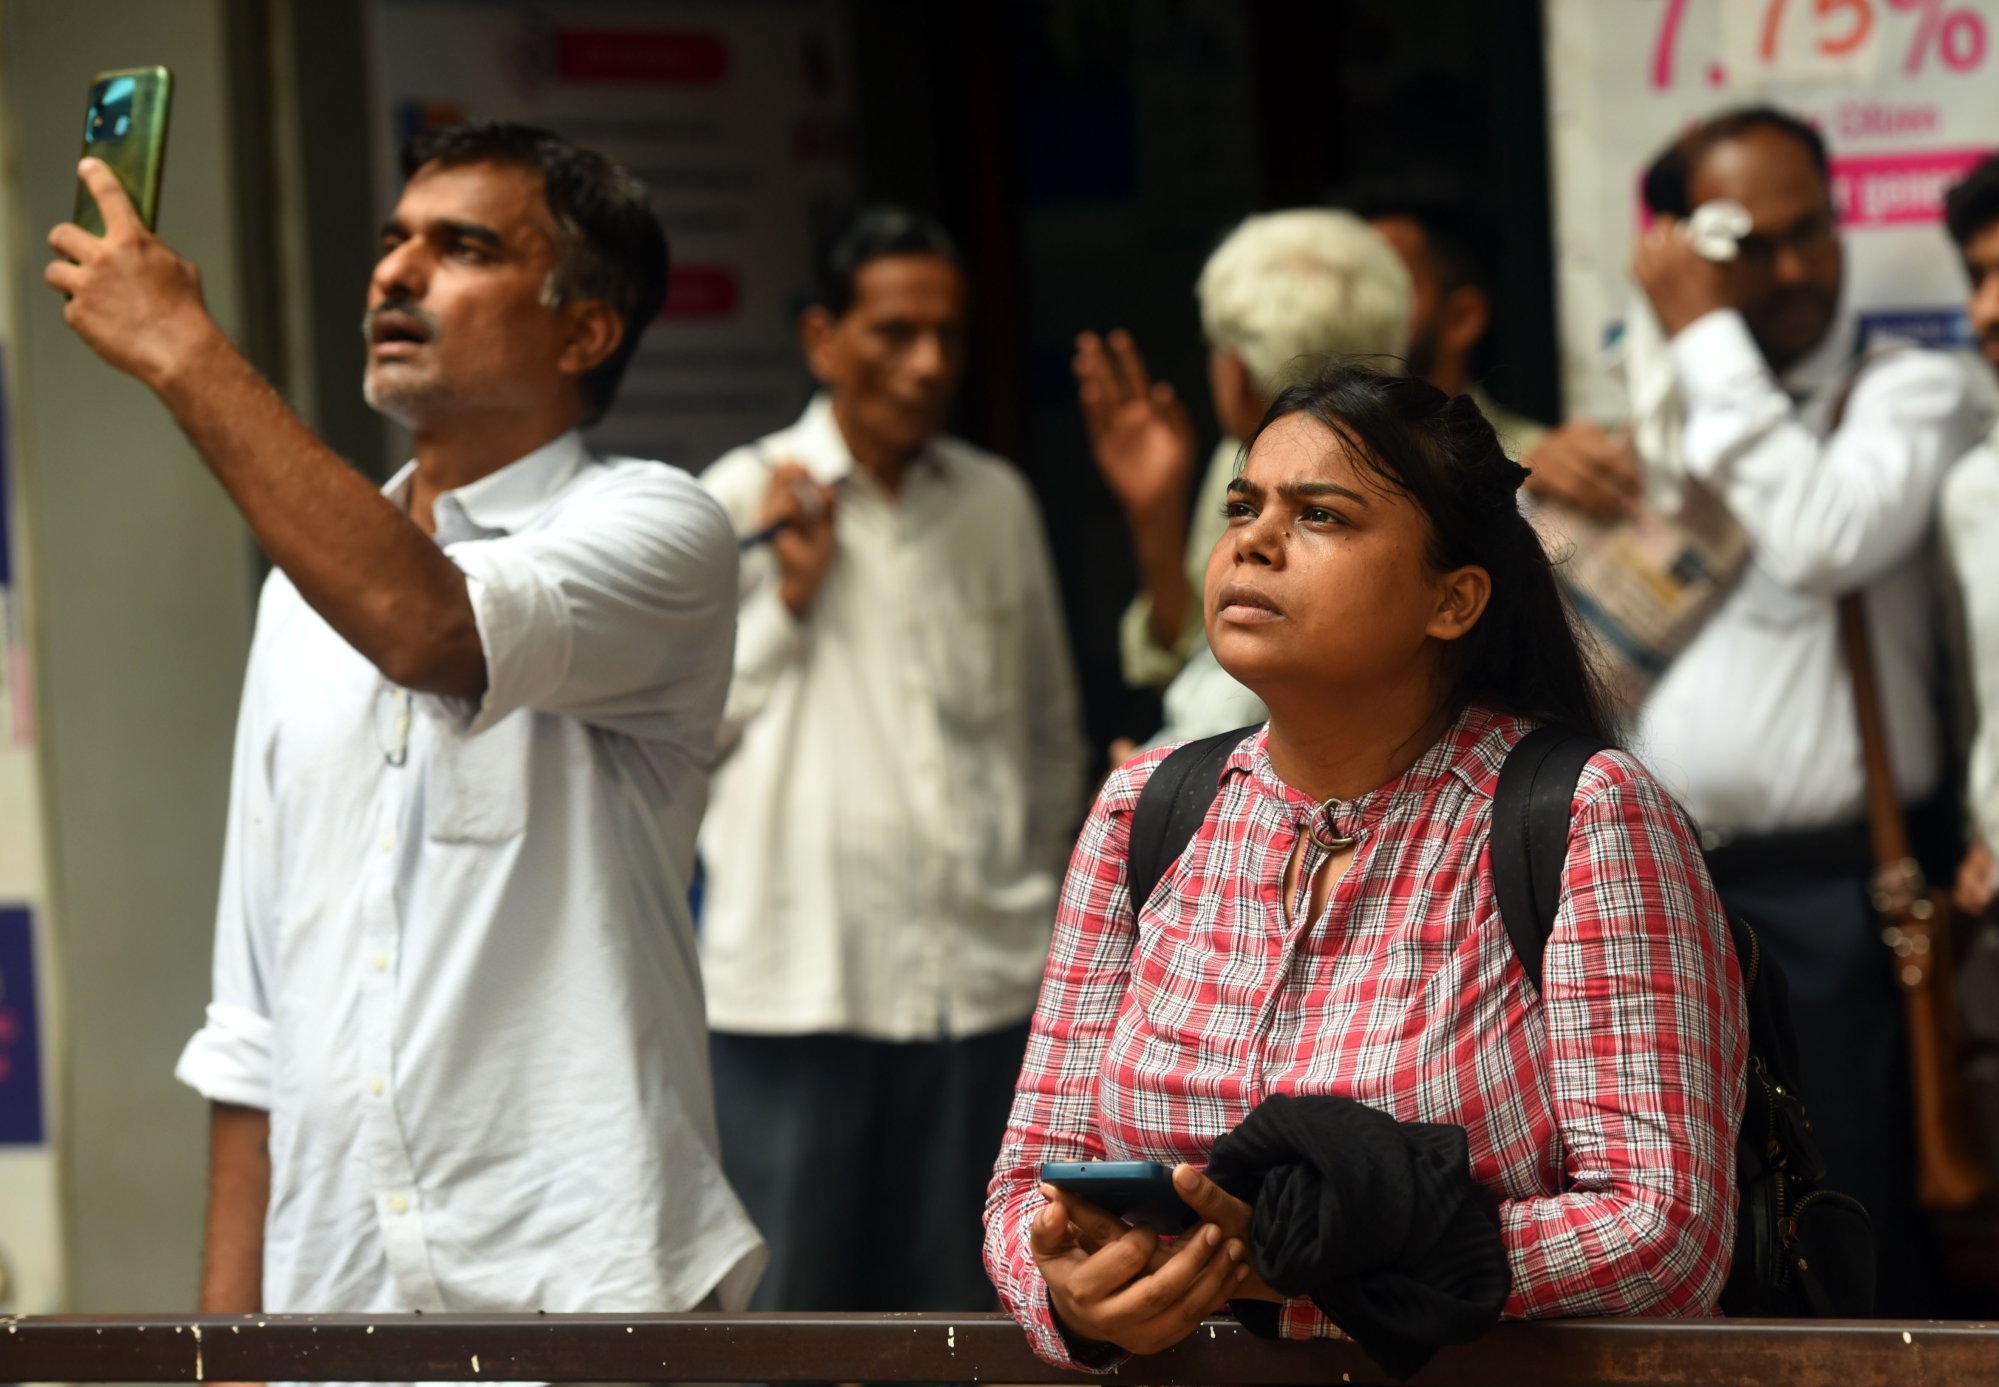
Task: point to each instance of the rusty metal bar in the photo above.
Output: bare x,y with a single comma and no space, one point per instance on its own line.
958,1348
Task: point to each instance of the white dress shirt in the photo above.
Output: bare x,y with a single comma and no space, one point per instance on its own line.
453,957
903,767
1753,725
1971,529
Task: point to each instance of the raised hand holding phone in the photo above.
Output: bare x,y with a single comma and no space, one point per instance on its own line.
131,299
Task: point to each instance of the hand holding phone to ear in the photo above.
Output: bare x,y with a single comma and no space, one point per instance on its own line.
131,299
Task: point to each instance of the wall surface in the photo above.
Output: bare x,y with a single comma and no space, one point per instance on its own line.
32,1274
142,591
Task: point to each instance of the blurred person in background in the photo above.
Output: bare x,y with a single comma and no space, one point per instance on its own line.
455,1051
1282,293
1447,241
1971,527
1448,244
902,780
1753,726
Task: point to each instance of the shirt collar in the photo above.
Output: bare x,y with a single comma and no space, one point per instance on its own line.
1467,750
503,501
1828,364
818,443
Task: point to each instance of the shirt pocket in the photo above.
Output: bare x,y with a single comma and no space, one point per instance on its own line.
975,654
477,787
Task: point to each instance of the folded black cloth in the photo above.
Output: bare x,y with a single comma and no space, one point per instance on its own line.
1378,1221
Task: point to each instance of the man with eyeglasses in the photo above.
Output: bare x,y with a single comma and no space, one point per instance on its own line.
1828,445
455,1054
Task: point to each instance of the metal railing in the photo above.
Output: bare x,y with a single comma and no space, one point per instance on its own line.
958,1348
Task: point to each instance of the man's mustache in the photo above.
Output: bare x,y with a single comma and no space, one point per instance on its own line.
406,308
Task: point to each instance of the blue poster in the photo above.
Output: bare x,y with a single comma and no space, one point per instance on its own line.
20,1031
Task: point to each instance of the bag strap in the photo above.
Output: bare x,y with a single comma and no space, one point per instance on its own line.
1886,829
1171,807
1530,835
1897,879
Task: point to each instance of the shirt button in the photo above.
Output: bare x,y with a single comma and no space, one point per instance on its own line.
388,842
375,1085
380,963
399,1205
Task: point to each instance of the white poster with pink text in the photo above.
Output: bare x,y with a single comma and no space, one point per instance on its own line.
1906,93
737,115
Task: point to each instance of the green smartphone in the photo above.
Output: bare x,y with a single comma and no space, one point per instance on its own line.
125,125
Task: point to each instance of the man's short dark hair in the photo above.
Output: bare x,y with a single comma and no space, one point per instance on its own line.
1667,179
874,233
1457,231
609,242
1973,205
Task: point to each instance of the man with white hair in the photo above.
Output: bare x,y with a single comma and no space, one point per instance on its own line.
1283,292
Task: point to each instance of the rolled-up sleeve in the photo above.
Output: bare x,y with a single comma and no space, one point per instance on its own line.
229,1059
619,614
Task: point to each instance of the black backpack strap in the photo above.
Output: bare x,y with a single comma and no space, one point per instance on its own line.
1530,835
1171,807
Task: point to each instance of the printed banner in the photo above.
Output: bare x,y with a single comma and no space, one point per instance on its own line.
737,116
1906,93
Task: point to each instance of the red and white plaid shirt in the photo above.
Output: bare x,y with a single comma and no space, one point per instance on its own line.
1601,1110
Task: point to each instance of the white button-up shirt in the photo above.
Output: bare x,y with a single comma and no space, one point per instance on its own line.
1753,725
1971,526
891,822
453,954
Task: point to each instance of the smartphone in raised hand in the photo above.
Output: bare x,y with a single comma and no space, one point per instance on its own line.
125,125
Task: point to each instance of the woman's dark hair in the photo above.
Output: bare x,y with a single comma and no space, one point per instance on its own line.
873,233
609,242
1525,655
1666,180
1972,205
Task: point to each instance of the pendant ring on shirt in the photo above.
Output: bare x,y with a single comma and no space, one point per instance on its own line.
1331,842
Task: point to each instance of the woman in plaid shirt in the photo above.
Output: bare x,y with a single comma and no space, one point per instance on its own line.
1332,927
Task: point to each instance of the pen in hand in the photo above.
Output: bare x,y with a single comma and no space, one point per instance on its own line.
808,501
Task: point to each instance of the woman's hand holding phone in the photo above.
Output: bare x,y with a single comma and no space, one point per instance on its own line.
1209,1201
1124,1287
1113,1283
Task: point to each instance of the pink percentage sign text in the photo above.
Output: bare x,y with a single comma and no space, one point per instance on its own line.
1956,36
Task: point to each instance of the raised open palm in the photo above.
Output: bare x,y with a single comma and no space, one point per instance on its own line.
1139,431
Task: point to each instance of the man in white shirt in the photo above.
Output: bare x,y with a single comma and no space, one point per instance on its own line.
1971,526
1280,296
456,1051
901,784
1753,726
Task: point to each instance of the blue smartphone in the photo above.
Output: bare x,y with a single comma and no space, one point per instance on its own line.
1136,1191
